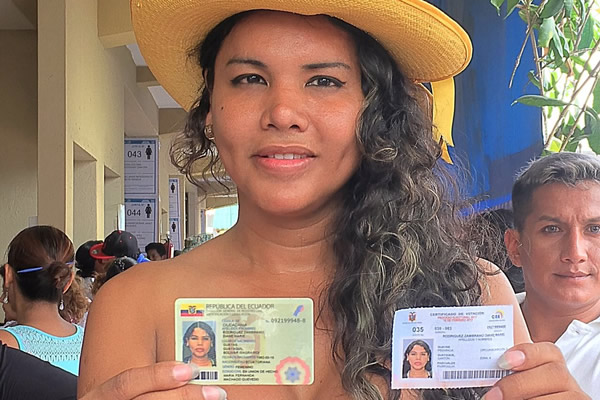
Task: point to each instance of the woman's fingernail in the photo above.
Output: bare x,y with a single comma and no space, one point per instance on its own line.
213,393
511,359
185,372
494,394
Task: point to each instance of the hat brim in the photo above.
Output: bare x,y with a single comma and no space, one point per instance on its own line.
96,252
427,44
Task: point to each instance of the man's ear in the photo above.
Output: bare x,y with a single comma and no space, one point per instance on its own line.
512,241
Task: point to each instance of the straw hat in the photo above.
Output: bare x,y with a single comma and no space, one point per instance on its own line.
427,45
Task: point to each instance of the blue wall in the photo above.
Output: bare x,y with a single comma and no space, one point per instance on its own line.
492,138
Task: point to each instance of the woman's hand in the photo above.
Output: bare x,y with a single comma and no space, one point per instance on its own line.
539,370
165,380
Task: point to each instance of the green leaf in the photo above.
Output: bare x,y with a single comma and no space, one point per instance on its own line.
510,7
582,7
580,61
596,94
523,15
572,145
546,32
552,8
557,51
532,8
533,79
497,4
555,145
539,101
591,115
568,8
594,138
587,36
569,34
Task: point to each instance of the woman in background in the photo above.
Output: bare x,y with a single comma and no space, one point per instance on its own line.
114,267
38,274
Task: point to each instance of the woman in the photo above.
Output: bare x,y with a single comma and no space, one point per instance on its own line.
417,360
114,268
74,304
38,274
199,342
340,194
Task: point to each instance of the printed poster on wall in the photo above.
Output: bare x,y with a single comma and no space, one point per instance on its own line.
175,233
141,166
174,214
141,219
174,198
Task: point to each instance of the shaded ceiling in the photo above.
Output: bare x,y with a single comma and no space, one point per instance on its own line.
18,14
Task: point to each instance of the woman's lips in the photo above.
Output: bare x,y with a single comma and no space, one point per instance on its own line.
284,162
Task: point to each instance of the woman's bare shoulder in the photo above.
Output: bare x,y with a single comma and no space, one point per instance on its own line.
496,290
495,286
128,312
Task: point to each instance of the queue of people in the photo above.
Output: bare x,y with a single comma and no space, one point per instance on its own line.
47,290
313,111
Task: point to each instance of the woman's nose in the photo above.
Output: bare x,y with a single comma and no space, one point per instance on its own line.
284,111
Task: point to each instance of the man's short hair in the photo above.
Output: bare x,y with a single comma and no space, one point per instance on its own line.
159,247
566,168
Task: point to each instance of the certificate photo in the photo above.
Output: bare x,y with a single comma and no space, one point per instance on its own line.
417,358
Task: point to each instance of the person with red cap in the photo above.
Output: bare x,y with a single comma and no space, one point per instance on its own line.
117,244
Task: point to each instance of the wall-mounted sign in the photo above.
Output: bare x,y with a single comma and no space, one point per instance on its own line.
141,166
141,219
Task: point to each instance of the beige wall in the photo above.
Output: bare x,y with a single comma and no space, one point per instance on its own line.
88,101
18,132
67,100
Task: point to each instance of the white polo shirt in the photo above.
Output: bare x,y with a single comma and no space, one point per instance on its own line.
580,345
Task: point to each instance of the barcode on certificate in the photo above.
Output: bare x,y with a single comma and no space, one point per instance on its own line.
476,374
208,376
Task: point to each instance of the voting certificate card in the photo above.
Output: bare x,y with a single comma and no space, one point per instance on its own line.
247,341
450,347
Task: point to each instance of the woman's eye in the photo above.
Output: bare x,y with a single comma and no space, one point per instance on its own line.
325,81
249,79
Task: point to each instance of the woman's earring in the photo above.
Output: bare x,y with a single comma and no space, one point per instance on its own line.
208,132
5,297
62,305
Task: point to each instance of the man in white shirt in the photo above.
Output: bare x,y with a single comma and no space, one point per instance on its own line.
556,240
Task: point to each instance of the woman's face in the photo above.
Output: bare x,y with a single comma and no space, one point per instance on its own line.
199,343
284,106
418,357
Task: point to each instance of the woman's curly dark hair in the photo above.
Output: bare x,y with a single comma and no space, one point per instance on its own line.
398,231
75,304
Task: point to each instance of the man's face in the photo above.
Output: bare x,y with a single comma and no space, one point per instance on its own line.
154,256
559,246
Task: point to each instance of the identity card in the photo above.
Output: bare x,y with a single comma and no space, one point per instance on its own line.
247,341
450,347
